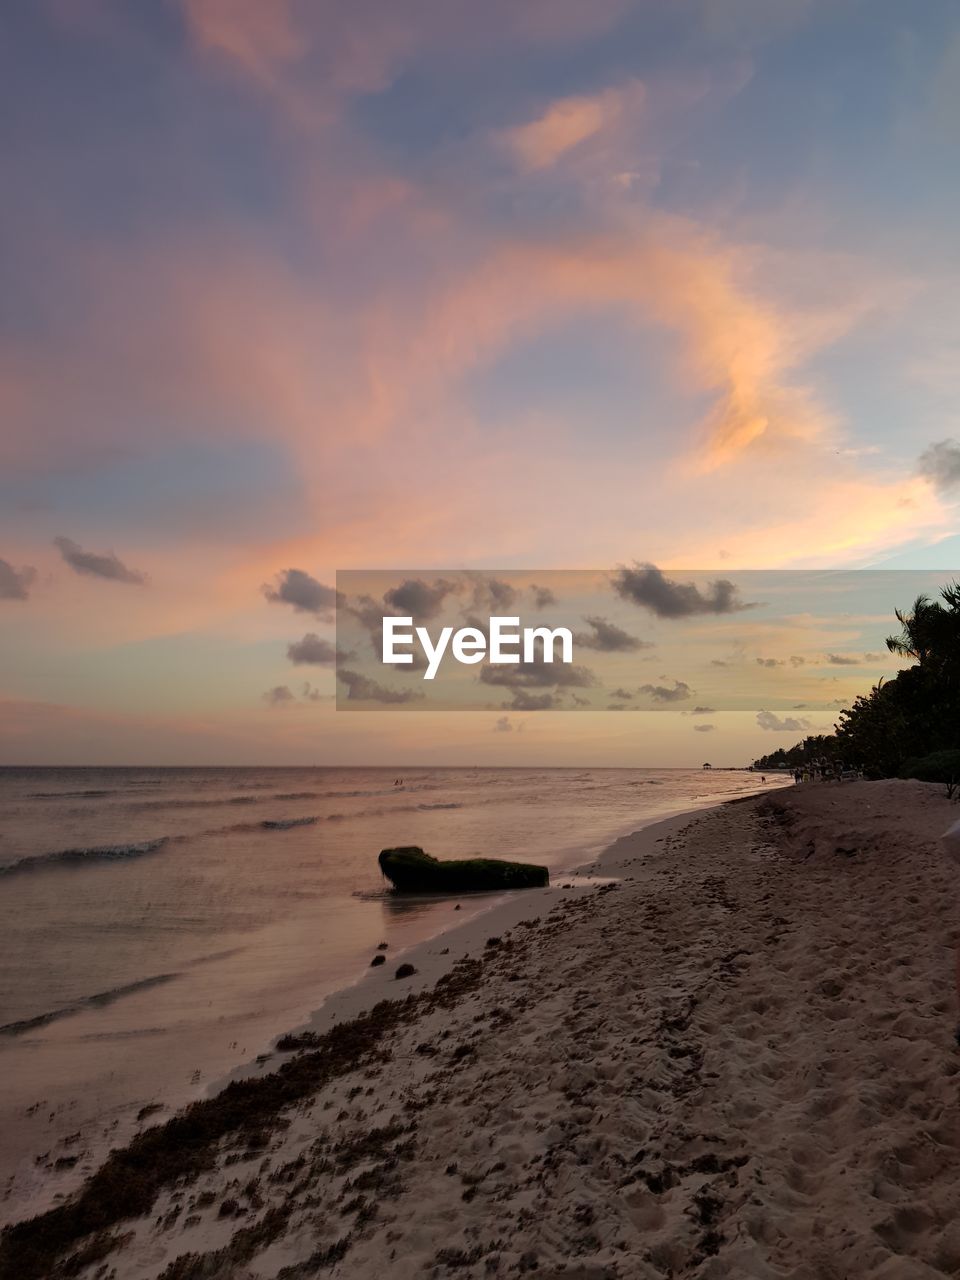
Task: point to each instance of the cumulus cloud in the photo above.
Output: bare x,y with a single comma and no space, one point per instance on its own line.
702,711
704,728
503,725
492,594
796,660
15,584
646,586
97,566
543,675
940,464
280,695
315,650
790,724
417,599
361,688
769,662
522,700
607,637
298,588
842,660
661,693
623,694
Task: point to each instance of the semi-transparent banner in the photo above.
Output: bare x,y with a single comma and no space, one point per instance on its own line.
635,638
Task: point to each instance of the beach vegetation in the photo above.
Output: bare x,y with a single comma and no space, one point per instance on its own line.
939,766
910,722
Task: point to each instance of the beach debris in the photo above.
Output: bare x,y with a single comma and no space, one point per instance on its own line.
411,870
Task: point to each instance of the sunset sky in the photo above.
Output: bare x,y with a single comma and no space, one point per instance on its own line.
428,283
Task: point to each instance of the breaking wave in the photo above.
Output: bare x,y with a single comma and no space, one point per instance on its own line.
74,857
97,1001
71,795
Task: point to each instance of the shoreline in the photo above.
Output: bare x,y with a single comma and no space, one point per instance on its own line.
737,1058
56,1144
362,1002
431,959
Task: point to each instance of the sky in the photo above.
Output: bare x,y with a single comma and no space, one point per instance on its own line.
306,287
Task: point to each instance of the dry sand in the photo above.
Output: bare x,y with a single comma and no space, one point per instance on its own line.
738,1061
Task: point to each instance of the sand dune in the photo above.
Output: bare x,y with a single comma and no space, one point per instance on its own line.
738,1061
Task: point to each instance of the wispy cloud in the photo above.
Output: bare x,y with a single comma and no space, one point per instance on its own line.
524,700
279,696
568,122
94,565
530,675
607,637
664,693
789,724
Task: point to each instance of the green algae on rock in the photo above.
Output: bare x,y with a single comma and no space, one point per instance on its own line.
413,871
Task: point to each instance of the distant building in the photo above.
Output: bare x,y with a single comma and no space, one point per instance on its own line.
708,766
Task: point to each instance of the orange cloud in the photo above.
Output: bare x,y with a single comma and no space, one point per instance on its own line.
225,334
568,122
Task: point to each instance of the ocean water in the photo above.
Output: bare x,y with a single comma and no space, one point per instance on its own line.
158,926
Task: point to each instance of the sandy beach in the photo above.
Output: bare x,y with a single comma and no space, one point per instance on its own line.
735,1059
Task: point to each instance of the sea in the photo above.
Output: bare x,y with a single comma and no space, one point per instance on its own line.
158,927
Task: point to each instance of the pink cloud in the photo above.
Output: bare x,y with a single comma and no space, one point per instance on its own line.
567,122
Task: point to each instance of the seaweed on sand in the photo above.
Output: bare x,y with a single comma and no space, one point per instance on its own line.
127,1184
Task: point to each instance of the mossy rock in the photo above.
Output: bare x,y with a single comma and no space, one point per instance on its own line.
413,871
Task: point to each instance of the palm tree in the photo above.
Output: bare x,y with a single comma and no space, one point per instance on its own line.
930,633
